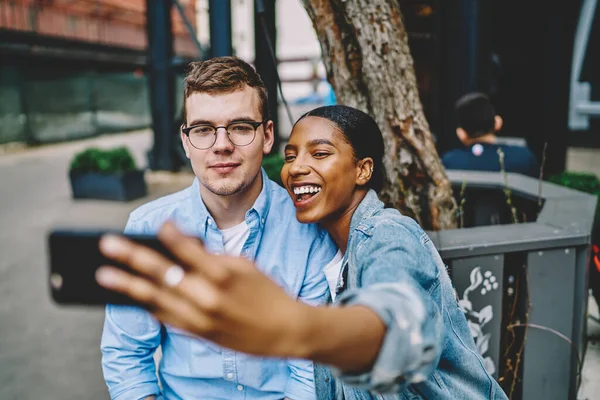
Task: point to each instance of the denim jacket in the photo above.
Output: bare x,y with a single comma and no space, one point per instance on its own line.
392,267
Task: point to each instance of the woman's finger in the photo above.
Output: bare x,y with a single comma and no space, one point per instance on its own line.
141,259
192,253
193,289
167,306
137,288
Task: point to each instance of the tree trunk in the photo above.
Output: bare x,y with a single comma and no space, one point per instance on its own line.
368,62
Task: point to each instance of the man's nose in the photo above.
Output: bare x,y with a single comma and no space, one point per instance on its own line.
222,142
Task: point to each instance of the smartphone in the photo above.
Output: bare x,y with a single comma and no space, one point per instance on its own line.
74,257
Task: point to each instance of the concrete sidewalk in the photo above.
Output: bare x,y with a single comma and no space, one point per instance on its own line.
50,352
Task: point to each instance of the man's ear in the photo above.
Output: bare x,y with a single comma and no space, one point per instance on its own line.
365,171
269,137
498,122
463,136
185,142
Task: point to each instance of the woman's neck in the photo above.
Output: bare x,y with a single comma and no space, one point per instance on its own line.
338,226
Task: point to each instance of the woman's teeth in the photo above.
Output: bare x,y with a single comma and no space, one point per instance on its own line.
306,192
306,189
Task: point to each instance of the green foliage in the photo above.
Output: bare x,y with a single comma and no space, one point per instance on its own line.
272,165
588,183
105,161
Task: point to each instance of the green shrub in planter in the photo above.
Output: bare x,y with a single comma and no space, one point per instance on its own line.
106,174
272,165
107,161
588,183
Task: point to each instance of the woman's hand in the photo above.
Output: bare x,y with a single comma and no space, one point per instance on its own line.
224,299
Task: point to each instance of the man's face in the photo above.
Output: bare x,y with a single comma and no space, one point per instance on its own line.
226,169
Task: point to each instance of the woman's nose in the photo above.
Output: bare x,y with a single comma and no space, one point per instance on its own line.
298,167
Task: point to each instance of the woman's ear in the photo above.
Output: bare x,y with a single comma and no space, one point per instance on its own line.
365,171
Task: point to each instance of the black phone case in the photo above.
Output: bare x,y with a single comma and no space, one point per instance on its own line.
74,258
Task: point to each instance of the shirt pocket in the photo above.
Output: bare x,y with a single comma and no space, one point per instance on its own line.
188,355
266,373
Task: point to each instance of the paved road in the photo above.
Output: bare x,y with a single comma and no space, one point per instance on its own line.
47,352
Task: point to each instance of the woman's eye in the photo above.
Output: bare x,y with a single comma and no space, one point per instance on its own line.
320,154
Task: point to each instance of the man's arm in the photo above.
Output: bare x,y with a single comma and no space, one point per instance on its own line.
314,291
129,339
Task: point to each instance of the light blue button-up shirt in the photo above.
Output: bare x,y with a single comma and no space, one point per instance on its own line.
292,254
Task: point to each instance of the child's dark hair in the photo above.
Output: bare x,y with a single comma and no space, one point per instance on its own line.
475,114
361,132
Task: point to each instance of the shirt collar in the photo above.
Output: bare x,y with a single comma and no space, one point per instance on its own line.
261,205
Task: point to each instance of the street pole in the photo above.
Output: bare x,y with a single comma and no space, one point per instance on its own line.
263,60
161,82
220,28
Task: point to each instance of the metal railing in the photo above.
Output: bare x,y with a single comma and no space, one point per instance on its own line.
523,286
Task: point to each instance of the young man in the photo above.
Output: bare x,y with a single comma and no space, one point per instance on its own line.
235,209
477,127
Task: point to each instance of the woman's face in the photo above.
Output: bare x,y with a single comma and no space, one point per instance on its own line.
320,171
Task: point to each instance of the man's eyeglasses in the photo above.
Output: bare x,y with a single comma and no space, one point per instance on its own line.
240,133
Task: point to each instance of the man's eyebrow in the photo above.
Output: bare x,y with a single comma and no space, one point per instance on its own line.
207,122
200,122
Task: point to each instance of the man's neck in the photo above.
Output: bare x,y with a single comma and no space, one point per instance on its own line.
229,211
489,138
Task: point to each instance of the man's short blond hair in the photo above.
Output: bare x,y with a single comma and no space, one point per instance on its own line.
223,75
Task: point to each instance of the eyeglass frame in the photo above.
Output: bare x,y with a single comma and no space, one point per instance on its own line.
254,124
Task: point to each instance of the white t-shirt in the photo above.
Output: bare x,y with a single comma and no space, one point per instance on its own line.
332,272
234,238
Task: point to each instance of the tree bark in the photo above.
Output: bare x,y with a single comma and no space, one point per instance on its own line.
368,62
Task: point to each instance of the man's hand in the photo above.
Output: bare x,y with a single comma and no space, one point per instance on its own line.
224,299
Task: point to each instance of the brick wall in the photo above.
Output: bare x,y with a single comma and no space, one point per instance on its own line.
111,22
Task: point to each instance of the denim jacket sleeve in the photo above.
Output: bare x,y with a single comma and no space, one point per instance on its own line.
396,278
129,339
314,291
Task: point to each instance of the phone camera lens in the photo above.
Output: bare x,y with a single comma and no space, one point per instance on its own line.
56,281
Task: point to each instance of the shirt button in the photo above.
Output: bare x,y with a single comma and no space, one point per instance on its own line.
240,388
210,222
230,376
262,220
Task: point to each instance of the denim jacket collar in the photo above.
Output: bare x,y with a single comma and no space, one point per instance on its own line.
367,207
261,205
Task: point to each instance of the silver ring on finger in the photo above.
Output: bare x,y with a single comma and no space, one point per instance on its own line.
173,276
